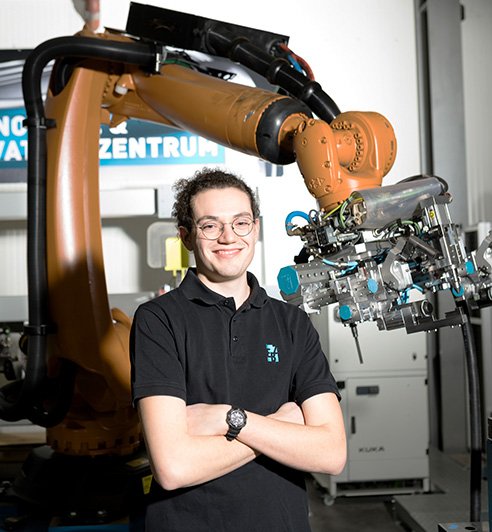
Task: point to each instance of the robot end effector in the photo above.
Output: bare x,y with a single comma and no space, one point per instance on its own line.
380,246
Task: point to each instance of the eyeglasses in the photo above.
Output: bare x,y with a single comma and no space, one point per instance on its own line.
212,229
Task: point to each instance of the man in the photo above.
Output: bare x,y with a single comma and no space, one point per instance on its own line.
234,393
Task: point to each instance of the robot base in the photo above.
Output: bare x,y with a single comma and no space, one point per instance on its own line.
82,490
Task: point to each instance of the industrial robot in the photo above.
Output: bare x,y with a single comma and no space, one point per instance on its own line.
364,248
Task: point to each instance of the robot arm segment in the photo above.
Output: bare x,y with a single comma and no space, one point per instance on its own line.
31,398
354,152
247,119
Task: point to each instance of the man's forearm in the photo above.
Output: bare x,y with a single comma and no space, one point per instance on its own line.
187,445
204,453
182,448
308,448
200,459
317,445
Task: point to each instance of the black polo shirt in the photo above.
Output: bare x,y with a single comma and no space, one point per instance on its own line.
194,344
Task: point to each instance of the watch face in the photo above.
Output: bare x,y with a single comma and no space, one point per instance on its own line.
236,418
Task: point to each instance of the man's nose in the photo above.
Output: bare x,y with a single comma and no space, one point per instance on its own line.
228,234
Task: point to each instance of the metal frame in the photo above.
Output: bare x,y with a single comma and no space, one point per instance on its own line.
442,130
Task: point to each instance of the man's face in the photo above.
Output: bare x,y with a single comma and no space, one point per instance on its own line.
228,257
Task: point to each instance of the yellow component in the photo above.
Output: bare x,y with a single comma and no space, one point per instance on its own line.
138,462
146,482
176,256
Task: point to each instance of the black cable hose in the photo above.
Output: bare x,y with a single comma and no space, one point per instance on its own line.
278,71
44,401
475,418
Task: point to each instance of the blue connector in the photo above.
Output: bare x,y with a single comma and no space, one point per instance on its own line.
288,280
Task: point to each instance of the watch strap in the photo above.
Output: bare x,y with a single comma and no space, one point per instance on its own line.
232,433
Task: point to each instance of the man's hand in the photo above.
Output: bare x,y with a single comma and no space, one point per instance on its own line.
207,420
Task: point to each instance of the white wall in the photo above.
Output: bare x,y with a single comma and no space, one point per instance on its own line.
476,34
361,51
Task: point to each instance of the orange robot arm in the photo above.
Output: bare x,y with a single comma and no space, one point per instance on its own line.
117,78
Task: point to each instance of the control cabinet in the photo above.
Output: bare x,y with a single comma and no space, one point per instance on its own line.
385,407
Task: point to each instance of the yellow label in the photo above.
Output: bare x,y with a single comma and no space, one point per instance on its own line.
138,462
146,482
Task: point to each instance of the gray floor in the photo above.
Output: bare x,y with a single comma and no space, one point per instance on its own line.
447,506
450,500
351,514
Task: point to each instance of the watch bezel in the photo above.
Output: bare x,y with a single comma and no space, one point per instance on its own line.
234,428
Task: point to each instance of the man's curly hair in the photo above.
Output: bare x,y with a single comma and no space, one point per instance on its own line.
206,179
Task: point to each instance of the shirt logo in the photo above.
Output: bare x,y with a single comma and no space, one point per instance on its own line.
272,353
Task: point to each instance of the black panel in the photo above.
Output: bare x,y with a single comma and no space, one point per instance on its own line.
183,30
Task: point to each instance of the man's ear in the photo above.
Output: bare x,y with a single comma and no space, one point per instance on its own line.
185,237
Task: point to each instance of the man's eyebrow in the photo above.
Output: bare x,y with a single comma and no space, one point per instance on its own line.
216,218
207,217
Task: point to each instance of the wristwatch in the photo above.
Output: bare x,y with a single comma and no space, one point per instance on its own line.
236,419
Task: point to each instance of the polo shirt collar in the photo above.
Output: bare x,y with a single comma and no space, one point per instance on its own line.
194,289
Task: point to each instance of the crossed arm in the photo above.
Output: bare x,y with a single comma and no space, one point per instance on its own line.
187,444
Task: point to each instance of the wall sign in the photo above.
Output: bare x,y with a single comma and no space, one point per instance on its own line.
134,142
